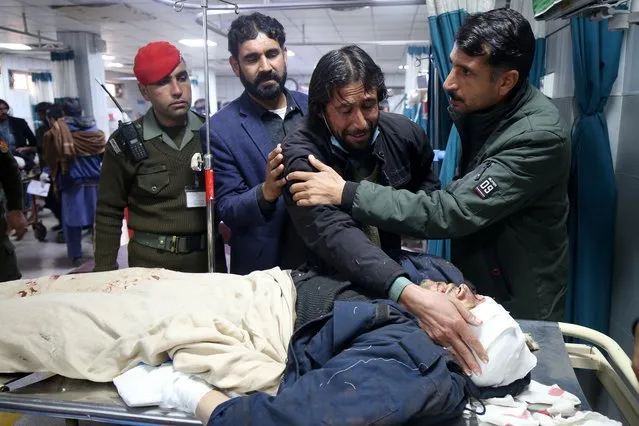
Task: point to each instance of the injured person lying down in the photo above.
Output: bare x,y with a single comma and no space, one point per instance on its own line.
227,335
366,381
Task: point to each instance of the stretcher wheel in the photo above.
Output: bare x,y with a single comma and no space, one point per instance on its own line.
40,231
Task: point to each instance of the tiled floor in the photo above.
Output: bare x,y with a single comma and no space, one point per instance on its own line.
37,258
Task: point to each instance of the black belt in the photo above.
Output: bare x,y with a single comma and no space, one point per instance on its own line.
171,243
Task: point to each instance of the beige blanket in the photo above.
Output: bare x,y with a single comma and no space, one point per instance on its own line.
233,329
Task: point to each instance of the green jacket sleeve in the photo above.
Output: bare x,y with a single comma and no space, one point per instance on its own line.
502,184
10,181
115,183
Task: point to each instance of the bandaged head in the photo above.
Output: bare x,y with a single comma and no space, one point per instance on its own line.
509,356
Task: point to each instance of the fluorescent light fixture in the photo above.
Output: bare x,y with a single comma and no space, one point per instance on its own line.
289,53
395,42
219,11
402,67
114,65
108,58
196,42
14,46
127,78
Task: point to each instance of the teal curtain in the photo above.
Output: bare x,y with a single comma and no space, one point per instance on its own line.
592,190
539,63
41,76
443,28
62,56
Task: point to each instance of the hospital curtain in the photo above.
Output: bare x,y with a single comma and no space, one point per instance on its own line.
537,71
41,87
416,69
592,189
66,85
445,17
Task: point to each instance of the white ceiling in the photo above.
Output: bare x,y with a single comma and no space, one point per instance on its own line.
133,23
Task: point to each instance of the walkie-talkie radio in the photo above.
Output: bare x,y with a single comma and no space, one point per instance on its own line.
129,139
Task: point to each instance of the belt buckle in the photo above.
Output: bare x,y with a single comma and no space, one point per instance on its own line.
173,244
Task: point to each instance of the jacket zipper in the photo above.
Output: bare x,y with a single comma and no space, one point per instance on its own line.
480,174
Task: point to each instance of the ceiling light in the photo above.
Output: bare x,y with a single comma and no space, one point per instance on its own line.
14,46
196,42
108,57
402,67
289,53
114,65
220,11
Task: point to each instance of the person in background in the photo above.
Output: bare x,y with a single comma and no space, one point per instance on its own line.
51,202
73,149
41,112
14,219
245,142
18,136
199,106
166,210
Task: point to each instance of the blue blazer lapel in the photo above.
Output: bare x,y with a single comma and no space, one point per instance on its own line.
252,125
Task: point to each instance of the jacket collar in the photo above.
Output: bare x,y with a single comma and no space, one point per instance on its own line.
250,117
249,107
151,128
480,125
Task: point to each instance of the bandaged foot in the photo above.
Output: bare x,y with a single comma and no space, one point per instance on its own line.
184,392
146,385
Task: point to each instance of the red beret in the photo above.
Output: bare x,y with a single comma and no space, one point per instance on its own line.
155,61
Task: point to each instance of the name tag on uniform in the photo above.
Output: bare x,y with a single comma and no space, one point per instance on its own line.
195,198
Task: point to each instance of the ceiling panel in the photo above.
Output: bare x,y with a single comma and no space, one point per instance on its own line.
163,23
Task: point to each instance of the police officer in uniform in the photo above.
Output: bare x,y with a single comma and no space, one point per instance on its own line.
165,197
11,183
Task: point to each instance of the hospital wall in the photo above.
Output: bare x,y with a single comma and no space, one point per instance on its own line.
622,111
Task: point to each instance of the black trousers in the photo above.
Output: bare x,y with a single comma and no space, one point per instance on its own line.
8,263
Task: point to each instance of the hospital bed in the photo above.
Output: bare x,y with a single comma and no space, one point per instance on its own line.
79,399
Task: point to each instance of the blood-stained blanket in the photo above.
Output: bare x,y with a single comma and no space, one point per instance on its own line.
233,330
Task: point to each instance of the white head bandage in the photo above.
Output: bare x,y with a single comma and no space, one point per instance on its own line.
509,357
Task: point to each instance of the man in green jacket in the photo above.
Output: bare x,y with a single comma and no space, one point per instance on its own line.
506,210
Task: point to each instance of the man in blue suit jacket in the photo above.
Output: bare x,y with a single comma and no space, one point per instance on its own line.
247,158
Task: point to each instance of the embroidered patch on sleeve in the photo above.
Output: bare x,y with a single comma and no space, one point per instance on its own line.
4,148
486,188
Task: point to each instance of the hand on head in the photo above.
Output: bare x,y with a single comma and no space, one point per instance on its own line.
446,320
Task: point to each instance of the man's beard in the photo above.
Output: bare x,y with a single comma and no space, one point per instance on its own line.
269,92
